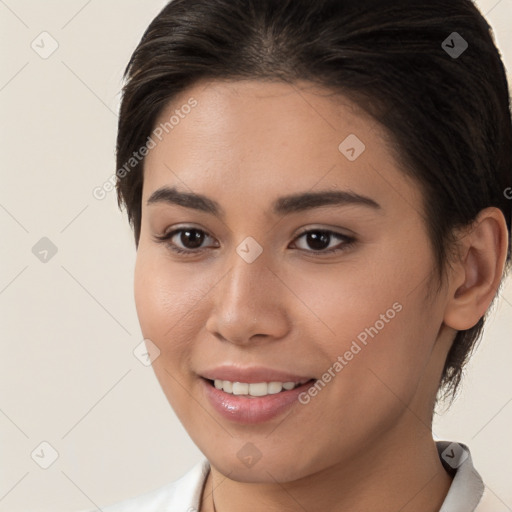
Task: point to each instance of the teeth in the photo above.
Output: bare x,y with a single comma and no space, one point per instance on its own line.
240,388
255,389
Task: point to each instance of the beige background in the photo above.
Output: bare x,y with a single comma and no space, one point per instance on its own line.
68,327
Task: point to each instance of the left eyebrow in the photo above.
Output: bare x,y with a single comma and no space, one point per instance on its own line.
309,200
282,206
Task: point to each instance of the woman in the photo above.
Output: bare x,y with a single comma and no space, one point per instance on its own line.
318,192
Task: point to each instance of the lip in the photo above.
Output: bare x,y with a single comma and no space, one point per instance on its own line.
246,409
252,374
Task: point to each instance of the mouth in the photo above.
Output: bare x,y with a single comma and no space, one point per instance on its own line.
253,402
256,389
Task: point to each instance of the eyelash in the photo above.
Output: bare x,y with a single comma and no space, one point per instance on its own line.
348,241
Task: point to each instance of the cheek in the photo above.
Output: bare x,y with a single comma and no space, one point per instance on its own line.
383,333
347,299
396,349
168,301
375,316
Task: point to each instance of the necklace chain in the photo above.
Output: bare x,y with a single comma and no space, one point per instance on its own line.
213,499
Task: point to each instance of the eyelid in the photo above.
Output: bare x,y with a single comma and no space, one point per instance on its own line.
327,228
171,233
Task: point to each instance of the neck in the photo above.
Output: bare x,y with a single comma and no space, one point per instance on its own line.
402,472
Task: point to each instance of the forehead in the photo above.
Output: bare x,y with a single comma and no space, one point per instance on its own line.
228,138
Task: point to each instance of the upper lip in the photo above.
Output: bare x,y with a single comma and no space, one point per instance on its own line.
251,374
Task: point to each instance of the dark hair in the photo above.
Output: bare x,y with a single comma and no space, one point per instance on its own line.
447,115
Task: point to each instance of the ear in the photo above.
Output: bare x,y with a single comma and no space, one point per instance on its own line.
475,277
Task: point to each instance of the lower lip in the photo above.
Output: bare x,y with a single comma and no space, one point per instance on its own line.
246,409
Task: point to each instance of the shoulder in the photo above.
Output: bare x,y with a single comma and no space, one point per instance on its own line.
183,494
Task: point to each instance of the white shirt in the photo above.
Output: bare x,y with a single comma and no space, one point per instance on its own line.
466,493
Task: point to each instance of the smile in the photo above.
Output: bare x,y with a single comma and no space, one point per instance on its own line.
255,388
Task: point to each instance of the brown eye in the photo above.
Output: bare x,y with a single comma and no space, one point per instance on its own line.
185,240
319,240
191,238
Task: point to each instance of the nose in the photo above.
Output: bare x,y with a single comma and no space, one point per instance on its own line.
249,304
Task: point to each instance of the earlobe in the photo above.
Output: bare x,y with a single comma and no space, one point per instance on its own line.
475,278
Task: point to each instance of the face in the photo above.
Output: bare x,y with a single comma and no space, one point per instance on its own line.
305,259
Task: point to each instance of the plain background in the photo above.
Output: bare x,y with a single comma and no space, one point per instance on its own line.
68,375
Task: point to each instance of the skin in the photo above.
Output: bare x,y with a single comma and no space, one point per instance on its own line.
364,442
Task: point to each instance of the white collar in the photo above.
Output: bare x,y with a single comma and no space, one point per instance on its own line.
467,486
